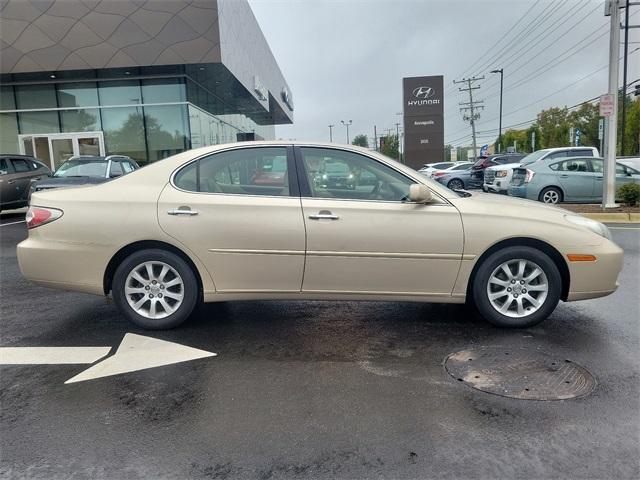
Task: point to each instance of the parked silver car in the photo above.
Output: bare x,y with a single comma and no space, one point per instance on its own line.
577,179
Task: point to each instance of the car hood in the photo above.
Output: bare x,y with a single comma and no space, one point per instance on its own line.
506,166
501,205
55,182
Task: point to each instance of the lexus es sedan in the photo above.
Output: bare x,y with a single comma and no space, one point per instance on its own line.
196,227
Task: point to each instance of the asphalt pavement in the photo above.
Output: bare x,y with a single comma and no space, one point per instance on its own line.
314,390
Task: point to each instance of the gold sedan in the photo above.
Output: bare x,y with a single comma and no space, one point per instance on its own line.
269,220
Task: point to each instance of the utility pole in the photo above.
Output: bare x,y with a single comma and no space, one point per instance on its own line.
501,72
471,106
346,124
611,124
375,138
331,133
398,138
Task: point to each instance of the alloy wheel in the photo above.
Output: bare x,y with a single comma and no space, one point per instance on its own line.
517,288
154,289
551,196
456,184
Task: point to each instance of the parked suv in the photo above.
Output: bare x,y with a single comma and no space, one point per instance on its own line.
477,171
86,170
498,178
17,172
574,179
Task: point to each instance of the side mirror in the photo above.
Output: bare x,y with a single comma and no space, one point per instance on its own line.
4,172
419,193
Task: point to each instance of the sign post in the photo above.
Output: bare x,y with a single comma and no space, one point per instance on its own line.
423,113
533,141
601,132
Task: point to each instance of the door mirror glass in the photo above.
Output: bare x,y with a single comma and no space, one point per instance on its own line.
3,172
419,193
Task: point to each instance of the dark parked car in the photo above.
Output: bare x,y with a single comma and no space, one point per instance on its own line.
17,172
335,175
477,171
86,170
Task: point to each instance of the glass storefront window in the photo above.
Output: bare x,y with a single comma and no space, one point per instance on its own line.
36,96
163,90
7,101
82,120
167,130
8,133
124,132
39,122
125,92
83,94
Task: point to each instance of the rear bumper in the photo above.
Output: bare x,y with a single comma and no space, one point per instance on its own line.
520,191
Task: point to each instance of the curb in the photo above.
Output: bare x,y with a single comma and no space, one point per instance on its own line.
614,217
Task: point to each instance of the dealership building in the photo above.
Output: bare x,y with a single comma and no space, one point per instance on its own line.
143,78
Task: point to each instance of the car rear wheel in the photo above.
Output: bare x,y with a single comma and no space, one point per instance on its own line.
155,289
551,195
517,287
456,184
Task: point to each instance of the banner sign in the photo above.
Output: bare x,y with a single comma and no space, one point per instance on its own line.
423,111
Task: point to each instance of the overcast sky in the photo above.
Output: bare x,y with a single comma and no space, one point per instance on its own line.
345,60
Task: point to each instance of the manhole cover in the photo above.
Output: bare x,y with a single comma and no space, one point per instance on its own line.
520,373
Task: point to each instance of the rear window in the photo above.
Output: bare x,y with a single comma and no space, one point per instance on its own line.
20,165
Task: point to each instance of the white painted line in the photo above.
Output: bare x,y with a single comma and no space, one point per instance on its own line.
624,228
51,355
11,223
139,353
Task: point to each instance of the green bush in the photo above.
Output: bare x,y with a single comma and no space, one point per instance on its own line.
629,193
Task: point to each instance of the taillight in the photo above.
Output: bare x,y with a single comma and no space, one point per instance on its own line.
37,216
439,174
529,175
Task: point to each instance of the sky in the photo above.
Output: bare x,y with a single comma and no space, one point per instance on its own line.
345,59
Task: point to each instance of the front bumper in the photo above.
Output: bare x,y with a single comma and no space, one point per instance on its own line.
599,278
498,186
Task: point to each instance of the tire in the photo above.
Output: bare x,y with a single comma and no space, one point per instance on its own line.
175,294
551,195
455,184
522,313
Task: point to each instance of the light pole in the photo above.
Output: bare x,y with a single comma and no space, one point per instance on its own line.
501,72
346,124
331,133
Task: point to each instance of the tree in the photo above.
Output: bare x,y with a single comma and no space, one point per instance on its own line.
586,119
632,129
389,146
553,125
361,140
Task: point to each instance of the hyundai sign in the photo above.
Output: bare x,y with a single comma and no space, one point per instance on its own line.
423,120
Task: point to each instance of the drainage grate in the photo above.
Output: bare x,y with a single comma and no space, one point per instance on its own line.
520,373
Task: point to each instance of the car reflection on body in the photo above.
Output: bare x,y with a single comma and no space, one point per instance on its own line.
196,227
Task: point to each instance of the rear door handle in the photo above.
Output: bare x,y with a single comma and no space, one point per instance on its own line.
324,215
598,178
183,211
564,176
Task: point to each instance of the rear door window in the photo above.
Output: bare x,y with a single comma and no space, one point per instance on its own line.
572,165
20,165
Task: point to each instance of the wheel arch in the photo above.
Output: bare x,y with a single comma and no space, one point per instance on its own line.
544,247
127,250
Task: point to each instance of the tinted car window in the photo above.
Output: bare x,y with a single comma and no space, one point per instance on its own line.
116,169
20,165
248,171
464,166
585,152
127,166
360,177
82,168
571,165
4,165
557,154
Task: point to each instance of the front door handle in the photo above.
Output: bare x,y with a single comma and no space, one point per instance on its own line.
183,211
598,178
324,215
564,176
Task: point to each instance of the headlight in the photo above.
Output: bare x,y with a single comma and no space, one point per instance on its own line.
501,173
595,227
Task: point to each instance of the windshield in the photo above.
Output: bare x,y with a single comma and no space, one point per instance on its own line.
533,157
82,168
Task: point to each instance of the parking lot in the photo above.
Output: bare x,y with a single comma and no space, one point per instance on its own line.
314,390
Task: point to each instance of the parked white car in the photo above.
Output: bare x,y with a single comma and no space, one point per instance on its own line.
498,177
429,168
458,166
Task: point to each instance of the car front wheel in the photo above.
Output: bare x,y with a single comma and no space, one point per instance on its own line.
155,289
517,287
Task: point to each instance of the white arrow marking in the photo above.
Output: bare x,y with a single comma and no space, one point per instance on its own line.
139,353
51,355
134,353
